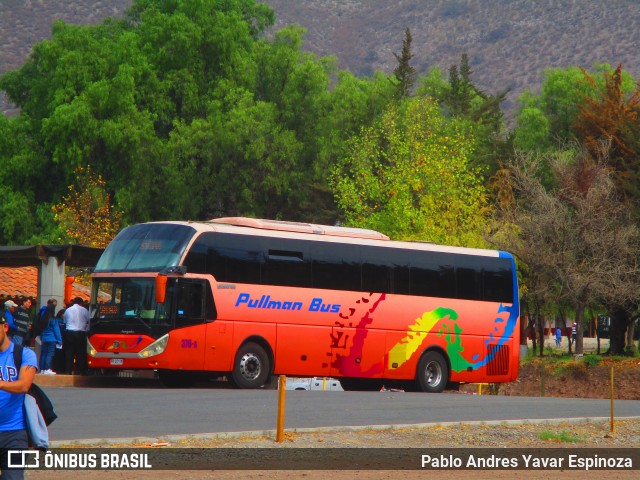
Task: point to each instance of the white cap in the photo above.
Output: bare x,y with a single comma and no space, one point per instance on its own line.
10,303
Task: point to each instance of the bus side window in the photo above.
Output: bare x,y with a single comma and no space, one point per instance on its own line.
190,306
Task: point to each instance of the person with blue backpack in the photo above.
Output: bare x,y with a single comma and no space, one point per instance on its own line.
50,336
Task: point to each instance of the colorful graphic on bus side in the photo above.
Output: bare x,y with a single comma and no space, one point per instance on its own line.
411,343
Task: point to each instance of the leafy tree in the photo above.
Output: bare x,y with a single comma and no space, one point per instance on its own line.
576,234
546,120
460,97
408,175
404,73
240,162
133,99
25,183
352,103
86,215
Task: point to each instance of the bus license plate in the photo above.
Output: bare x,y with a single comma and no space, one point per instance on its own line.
117,361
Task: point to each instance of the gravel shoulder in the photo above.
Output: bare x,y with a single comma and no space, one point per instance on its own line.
565,434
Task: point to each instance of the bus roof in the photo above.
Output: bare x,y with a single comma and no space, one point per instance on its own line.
243,225
299,227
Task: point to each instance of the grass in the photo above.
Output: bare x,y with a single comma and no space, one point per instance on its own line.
562,437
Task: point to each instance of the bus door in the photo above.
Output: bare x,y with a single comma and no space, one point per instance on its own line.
191,311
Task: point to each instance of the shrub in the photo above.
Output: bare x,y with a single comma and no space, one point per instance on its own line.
591,360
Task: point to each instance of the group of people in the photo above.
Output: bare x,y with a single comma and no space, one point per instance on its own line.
20,327
61,335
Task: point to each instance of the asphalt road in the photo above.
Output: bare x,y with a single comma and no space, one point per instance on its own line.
100,413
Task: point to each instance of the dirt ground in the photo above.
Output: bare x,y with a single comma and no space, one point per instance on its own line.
576,379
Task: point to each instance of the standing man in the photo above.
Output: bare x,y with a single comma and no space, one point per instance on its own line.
13,386
22,320
76,319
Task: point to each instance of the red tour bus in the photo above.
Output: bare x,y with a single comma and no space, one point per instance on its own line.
248,299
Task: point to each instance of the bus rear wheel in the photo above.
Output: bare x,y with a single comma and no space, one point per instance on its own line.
251,368
433,373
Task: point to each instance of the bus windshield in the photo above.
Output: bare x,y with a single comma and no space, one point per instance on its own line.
146,248
128,300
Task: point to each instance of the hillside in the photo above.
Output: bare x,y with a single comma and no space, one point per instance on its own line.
509,42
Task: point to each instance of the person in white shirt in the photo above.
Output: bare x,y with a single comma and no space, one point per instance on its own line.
76,319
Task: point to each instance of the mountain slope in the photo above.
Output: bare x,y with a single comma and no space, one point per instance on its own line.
509,42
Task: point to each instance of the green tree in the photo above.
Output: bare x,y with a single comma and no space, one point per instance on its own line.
546,120
242,162
352,103
408,175
25,182
404,73
460,97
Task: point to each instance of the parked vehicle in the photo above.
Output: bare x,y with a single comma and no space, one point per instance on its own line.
315,383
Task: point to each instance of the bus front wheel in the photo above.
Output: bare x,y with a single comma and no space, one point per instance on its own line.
433,373
251,368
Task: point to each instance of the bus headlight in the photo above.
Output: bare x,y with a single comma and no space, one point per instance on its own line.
156,348
91,351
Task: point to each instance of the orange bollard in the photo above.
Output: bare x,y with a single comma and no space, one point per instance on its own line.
281,406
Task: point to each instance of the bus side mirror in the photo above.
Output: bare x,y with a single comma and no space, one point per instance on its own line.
68,289
161,288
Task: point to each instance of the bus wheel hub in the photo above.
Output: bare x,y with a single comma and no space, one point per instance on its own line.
250,366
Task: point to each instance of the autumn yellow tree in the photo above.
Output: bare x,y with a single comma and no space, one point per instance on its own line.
85,214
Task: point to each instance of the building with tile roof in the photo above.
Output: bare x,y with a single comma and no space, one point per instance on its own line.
19,283
38,271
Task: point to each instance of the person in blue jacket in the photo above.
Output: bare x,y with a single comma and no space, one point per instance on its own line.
13,386
50,336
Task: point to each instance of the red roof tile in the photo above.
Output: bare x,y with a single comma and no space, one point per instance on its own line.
22,282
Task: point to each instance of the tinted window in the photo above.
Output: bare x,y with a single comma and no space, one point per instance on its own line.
377,269
433,274
229,258
193,303
336,266
300,263
196,259
235,258
287,263
498,281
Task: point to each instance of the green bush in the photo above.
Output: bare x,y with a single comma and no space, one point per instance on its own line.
591,360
